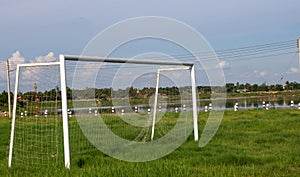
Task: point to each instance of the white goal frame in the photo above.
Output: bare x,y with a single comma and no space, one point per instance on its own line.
181,66
194,99
62,68
64,106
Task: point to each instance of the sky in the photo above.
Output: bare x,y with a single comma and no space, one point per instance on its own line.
35,30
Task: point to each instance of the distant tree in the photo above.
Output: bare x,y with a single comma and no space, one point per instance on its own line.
271,87
263,87
3,98
279,87
69,93
296,86
248,86
288,86
230,87
241,86
254,88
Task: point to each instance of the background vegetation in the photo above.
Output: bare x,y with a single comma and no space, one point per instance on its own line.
137,96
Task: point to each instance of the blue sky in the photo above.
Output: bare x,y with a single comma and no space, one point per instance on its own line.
40,29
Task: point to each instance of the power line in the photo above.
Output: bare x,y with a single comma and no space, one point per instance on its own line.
237,54
231,58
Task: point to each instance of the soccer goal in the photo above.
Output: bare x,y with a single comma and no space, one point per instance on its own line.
57,105
35,132
193,89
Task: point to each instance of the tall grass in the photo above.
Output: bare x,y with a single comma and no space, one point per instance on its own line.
248,143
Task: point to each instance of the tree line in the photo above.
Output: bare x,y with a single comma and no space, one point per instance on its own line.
138,95
238,87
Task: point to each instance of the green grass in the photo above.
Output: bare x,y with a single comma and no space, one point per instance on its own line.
248,143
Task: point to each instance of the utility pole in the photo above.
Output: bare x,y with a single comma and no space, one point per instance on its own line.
8,87
299,52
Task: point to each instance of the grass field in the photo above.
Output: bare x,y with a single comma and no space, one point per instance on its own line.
248,143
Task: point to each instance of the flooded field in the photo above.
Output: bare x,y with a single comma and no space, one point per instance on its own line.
243,103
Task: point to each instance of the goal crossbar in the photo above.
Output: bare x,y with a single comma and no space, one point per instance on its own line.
124,60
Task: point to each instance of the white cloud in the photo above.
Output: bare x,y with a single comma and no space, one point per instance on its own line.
293,70
37,72
16,58
47,58
259,74
32,74
223,65
2,71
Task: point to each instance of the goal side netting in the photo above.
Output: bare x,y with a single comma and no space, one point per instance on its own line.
36,134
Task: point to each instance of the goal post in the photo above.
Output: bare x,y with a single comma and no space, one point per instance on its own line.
181,66
20,121
64,110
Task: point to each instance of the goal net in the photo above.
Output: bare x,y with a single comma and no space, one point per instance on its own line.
36,127
84,104
122,103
